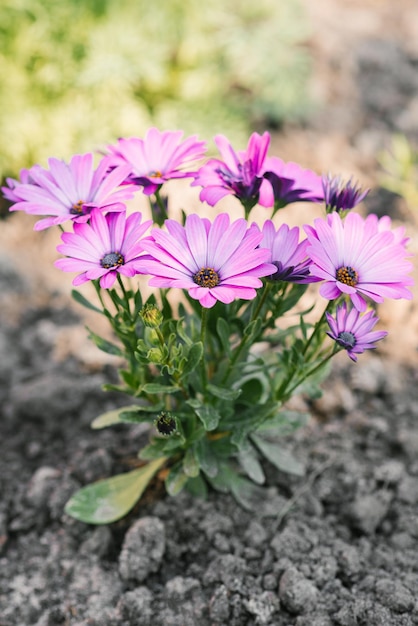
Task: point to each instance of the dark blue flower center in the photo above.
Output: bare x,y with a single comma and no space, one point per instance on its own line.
346,339
206,277
347,275
112,259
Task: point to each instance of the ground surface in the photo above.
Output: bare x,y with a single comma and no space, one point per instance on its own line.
335,548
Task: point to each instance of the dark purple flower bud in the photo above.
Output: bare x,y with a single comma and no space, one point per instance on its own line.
341,196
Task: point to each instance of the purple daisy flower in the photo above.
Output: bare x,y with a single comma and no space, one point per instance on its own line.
102,248
239,173
218,261
11,191
353,331
341,196
286,253
290,183
157,158
385,223
355,259
70,191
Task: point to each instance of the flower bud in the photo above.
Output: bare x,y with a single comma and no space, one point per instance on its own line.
151,316
166,424
155,355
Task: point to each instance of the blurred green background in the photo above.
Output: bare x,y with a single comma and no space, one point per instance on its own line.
77,74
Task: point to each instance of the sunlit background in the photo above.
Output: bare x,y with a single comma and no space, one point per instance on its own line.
78,74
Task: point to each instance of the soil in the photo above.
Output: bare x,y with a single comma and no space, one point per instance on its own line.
337,547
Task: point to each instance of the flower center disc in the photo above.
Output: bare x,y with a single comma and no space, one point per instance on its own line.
347,275
113,259
77,208
206,277
346,339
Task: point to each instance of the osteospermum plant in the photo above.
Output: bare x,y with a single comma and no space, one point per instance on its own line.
213,355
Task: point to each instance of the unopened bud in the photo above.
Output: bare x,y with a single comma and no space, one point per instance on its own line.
151,316
166,424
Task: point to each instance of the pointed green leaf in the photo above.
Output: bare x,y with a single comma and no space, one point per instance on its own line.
251,465
251,497
252,329
105,345
123,414
221,480
193,358
223,330
176,479
78,297
109,418
106,501
223,393
279,457
206,457
161,446
190,464
153,388
209,416
283,423
197,487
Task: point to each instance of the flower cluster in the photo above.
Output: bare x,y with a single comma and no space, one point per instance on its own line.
192,366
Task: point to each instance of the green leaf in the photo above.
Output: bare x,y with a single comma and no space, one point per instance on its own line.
161,446
253,389
111,417
279,457
223,331
153,388
248,495
78,297
190,464
221,481
206,458
180,330
251,465
223,393
209,416
106,501
284,423
252,330
138,301
197,487
105,345
193,358
176,479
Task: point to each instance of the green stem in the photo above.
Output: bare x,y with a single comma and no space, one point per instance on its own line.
311,372
261,301
291,375
125,295
318,327
203,327
99,293
243,341
160,219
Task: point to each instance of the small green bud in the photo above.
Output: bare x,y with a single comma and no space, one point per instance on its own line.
166,424
151,316
155,355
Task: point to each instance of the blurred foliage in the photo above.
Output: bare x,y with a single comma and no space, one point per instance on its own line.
400,170
78,74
